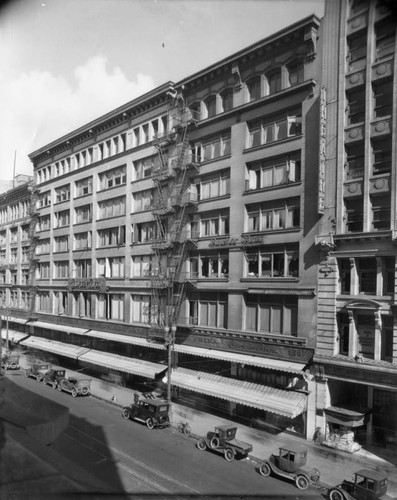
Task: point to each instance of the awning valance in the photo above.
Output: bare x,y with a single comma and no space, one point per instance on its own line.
286,403
68,350
59,328
125,339
122,363
13,335
246,359
345,417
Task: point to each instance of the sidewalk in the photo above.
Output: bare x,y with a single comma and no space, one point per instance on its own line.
335,466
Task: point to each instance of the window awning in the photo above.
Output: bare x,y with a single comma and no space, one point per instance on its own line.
125,339
122,363
13,335
345,417
246,359
59,328
286,403
60,348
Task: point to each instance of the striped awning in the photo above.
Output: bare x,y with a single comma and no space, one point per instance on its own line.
122,363
245,359
60,348
13,335
125,339
286,403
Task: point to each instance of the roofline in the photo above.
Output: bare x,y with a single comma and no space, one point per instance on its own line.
264,41
98,121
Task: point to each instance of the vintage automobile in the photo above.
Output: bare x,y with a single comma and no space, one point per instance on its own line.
10,361
289,464
53,376
367,485
37,370
223,440
76,386
154,412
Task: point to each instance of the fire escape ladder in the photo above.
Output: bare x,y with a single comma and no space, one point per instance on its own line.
33,217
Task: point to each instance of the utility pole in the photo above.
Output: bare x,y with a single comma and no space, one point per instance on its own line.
170,340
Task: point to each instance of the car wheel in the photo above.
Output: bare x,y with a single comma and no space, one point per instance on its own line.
265,469
149,423
214,443
74,393
84,391
202,445
59,388
54,385
13,366
38,378
336,495
228,454
126,413
302,482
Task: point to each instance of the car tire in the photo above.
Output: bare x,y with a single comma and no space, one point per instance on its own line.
336,495
59,388
54,385
214,443
265,470
126,414
301,482
202,445
26,374
229,455
74,393
13,366
84,391
149,423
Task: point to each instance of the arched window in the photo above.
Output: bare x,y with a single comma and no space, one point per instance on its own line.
295,73
210,105
195,109
227,100
274,81
254,89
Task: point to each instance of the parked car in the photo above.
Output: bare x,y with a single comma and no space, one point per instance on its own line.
10,361
366,485
76,386
290,464
154,412
53,377
223,440
37,370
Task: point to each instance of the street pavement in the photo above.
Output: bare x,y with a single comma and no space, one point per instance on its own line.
335,466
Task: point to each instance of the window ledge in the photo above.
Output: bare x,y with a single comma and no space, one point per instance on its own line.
287,279
270,188
269,144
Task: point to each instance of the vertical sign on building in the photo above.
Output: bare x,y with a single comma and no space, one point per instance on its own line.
321,171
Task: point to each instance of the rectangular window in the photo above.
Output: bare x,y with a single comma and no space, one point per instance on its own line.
62,219
382,156
272,173
83,214
383,98
273,129
140,308
112,208
211,310
272,314
61,269
114,236
280,264
43,246
143,200
61,244
82,241
141,266
44,199
215,187
263,219
212,147
344,275
43,302
84,187
146,232
357,55
381,211
83,268
44,270
62,193
354,215
113,178
355,106
366,271
143,168
385,38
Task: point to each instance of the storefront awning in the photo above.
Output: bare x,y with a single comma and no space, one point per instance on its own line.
125,339
13,335
345,417
70,351
246,359
286,403
59,328
122,363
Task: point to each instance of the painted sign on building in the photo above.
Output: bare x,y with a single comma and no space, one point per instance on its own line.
321,163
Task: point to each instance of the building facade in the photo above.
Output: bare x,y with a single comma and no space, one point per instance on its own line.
357,322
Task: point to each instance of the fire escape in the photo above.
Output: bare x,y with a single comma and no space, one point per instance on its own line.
175,198
33,238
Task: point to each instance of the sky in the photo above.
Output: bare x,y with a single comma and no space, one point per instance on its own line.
67,62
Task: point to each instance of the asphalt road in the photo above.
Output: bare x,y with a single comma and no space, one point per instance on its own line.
162,463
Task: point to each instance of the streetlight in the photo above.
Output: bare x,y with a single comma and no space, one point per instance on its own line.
169,343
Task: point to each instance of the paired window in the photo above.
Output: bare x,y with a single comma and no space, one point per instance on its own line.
83,268
111,267
112,178
44,199
62,218
214,187
62,193
142,200
61,243
84,187
82,241
143,168
278,264
43,302
44,223
367,275
111,306
42,247
83,214
268,131
112,208
272,314
61,269
141,266
214,265
274,172
82,304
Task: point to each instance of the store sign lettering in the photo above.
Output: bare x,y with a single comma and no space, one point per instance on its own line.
322,154
85,284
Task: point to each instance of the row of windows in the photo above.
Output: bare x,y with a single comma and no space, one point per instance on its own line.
259,86
14,234
380,214
367,275
14,212
381,102
271,315
282,263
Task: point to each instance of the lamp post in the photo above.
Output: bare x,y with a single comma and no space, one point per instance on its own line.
169,341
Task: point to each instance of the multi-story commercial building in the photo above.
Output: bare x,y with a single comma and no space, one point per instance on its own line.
357,315
16,252
185,217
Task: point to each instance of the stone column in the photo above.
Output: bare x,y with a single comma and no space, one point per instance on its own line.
352,335
378,336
